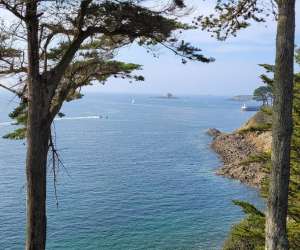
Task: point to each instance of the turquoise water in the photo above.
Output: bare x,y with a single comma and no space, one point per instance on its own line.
140,178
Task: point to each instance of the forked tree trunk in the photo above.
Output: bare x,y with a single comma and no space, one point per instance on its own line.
276,232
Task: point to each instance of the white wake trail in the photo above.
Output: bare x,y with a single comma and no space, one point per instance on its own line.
2,124
77,118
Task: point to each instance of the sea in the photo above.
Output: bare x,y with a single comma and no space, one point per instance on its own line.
136,175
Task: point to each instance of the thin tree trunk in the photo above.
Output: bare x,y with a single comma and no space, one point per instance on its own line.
38,132
276,232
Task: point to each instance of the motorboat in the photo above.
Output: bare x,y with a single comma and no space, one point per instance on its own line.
250,108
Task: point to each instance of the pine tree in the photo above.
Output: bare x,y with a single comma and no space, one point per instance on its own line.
58,47
230,17
251,231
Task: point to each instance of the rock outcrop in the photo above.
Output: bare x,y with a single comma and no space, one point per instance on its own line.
213,132
236,148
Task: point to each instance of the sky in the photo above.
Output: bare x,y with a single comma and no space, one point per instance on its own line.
235,71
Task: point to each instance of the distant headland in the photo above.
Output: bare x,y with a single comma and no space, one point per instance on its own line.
242,98
167,96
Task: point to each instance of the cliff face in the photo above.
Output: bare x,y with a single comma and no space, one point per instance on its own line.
235,150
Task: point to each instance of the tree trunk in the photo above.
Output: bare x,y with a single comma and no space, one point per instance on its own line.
36,166
276,232
38,132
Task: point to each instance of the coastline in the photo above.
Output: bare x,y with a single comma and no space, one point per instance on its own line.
237,148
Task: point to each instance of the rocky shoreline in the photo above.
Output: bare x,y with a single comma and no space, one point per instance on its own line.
235,149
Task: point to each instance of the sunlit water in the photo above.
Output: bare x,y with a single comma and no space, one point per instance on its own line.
140,177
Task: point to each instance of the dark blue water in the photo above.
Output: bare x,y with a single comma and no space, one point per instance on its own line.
140,178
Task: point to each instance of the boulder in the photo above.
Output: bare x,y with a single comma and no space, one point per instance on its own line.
213,132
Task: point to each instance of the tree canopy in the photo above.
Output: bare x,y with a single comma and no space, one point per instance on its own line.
264,94
77,43
234,15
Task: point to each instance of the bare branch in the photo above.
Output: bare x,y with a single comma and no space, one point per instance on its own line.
11,90
12,8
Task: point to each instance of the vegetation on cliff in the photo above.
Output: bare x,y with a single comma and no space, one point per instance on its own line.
260,122
243,152
250,232
230,17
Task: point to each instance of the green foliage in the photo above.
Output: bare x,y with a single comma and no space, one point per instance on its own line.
262,93
189,52
294,234
297,56
19,114
294,200
267,110
18,134
264,77
260,122
263,158
259,128
249,233
234,15
268,68
248,208
78,42
265,93
57,52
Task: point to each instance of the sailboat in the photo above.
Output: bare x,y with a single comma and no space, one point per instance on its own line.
132,101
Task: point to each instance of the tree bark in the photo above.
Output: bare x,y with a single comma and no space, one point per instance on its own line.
36,165
276,231
38,132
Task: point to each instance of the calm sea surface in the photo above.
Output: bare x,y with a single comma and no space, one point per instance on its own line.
140,178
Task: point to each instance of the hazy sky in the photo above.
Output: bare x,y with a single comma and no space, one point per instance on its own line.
235,70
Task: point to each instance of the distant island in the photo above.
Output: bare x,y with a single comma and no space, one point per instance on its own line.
242,98
167,96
